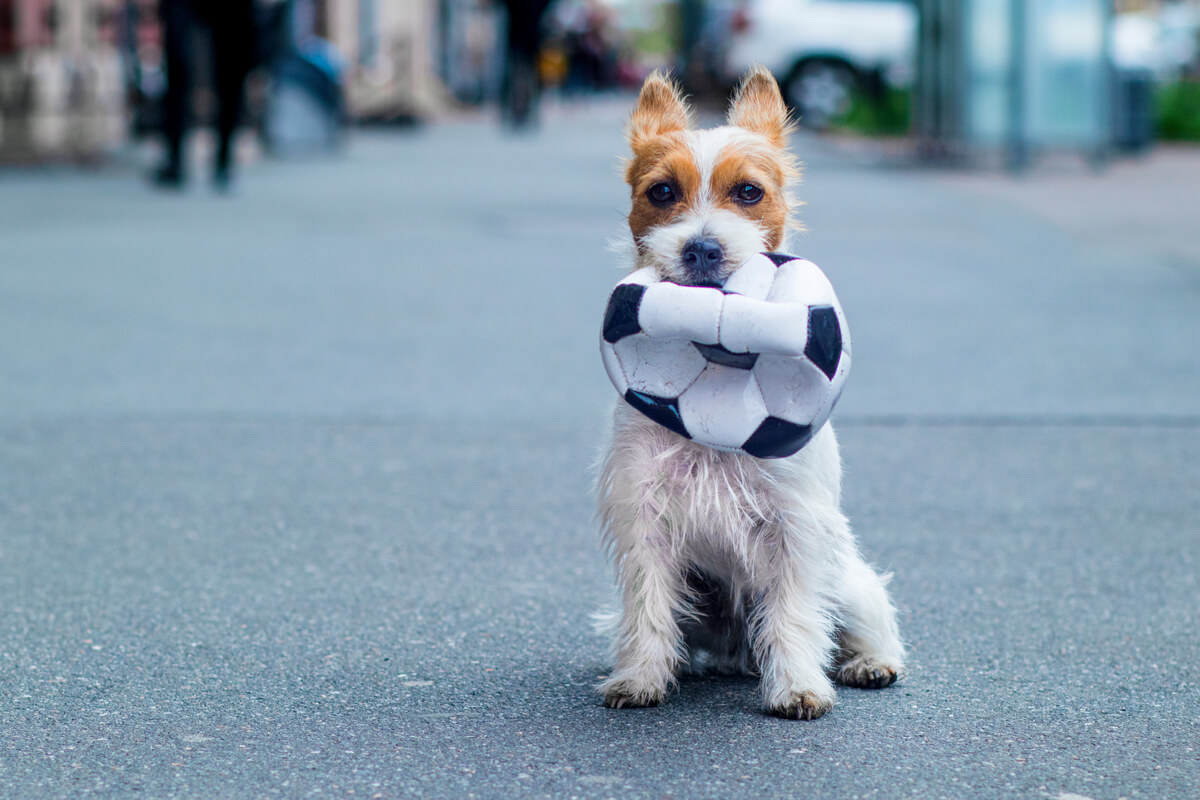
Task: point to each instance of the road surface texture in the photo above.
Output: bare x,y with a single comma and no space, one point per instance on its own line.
295,485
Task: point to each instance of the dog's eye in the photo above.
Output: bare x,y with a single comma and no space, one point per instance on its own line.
748,194
661,194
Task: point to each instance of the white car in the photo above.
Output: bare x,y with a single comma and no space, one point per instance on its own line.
822,50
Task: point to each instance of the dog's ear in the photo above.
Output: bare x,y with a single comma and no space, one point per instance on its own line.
660,109
758,106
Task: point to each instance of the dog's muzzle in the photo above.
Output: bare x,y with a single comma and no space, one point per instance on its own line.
703,259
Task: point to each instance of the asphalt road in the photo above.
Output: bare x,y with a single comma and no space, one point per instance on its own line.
294,487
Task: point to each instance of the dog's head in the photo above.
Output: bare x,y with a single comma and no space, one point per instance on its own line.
706,200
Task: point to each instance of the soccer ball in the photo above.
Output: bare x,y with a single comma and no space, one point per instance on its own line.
755,366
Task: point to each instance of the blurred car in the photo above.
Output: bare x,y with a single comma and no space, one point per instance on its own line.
823,51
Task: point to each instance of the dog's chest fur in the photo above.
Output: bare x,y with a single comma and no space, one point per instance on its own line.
722,512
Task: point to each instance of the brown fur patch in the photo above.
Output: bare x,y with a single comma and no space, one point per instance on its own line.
660,110
758,106
667,159
763,168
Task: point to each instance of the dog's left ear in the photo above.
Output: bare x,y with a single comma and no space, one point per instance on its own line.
758,106
660,110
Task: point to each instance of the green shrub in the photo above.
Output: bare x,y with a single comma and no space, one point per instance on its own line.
1177,111
889,115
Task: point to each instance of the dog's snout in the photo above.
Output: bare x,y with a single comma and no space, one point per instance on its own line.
703,255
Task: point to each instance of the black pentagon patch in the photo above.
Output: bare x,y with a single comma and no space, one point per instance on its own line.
824,346
716,354
781,258
621,316
662,410
777,438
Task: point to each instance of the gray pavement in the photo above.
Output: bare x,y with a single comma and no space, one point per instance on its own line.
294,485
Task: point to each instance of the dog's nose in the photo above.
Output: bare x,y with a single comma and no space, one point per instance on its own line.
703,255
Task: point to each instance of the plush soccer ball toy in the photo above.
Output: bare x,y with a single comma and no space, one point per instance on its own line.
755,366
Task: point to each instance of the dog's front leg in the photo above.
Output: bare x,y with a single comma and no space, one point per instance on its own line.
793,643
648,637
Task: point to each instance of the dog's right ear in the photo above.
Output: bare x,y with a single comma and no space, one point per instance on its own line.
758,106
660,109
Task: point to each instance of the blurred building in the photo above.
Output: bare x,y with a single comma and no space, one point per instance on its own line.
77,77
470,57
61,78
1014,77
1127,6
390,50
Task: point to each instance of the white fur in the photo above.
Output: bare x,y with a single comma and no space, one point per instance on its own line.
785,593
772,530
707,147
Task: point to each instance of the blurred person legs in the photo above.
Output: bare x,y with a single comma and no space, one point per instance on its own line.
522,84
233,52
521,90
231,25
178,21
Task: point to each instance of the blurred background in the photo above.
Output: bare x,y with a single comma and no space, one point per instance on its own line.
295,475
976,78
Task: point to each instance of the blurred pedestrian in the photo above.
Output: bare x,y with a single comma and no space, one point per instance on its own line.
522,85
595,54
231,29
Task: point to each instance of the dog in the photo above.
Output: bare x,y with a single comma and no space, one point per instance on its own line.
724,561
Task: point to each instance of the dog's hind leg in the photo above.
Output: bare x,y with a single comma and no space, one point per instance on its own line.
870,654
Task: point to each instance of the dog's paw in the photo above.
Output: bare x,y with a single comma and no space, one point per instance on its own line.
866,672
628,694
622,700
801,705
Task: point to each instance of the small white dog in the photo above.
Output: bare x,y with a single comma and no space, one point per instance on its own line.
724,560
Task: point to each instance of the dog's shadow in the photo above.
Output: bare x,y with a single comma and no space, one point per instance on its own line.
712,692
715,690
709,691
